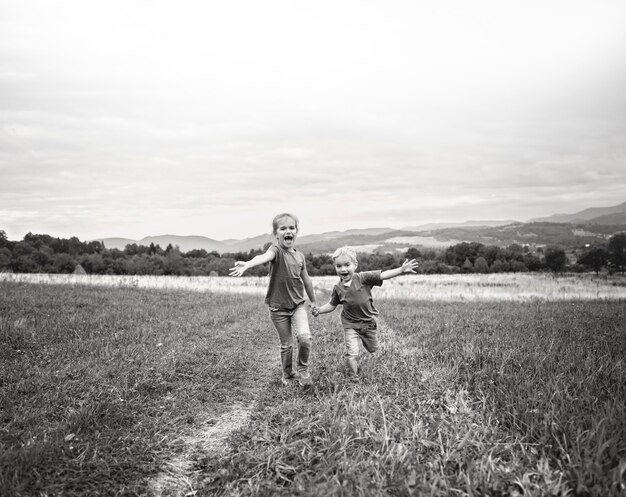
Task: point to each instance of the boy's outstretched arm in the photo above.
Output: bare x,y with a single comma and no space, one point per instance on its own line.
407,267
326,308
241,266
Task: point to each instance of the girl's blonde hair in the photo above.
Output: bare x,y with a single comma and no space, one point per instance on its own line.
281,216
347,251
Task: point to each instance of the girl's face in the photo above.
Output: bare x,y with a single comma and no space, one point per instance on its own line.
286,232
345,267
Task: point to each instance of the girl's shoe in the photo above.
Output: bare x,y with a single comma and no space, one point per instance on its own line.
289,379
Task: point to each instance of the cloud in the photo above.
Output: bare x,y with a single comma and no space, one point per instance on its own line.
150,117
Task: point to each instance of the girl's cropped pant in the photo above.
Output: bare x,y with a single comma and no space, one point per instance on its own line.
290,322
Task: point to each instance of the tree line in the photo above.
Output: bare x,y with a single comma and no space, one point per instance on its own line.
47,254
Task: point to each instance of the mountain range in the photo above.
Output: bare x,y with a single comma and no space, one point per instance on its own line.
566,230
595,215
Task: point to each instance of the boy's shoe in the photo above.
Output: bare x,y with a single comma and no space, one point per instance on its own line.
305,379
289,379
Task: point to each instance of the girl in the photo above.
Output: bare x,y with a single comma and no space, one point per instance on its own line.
289,280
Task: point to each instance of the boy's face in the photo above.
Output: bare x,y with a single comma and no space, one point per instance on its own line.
286,232
345,267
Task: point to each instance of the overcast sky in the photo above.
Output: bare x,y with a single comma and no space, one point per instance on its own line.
136,118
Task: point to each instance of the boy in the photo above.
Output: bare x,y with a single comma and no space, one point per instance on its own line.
354,292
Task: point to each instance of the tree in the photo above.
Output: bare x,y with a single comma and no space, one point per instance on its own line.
555,259
131,249
457,254
93,263
500,266
24,264
44,258
173,261
430,255
532,262
491,253
595,258
64,263
5,258
515,248
413,253
197,253
467,267
617,251
481,266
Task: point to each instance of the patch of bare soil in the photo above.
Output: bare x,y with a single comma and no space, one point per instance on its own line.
211,437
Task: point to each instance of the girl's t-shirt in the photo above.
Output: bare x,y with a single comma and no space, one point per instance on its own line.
286,288
356,299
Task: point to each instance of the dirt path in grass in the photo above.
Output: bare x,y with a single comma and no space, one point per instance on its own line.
211,437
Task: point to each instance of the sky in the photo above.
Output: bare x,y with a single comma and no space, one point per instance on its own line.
149,117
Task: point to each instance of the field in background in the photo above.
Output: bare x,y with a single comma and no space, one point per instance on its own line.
491,287
482,385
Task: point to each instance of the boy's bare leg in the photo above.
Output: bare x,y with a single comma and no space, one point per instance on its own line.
353,341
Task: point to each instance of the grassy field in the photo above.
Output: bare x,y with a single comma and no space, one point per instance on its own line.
98,386
146,391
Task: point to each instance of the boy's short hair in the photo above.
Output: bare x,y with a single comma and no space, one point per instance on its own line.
347,251
279,217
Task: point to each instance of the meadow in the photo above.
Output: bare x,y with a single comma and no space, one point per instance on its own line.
484,385
458,287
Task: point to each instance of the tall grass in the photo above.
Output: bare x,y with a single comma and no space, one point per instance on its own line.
553,374
98,385
463,399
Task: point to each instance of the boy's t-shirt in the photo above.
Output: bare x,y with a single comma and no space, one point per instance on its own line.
286,288
356,299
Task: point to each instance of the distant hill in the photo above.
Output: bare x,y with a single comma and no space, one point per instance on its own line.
338,235
539,233
610,219
353,238
247,244
565,235
587,215
186,243
566,230
435,226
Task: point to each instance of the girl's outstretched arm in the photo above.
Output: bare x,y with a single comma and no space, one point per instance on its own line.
407,267
242,266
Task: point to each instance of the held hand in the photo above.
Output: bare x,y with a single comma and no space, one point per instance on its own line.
239,269
409,266
315,310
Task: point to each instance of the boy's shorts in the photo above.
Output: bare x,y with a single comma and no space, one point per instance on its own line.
367,333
